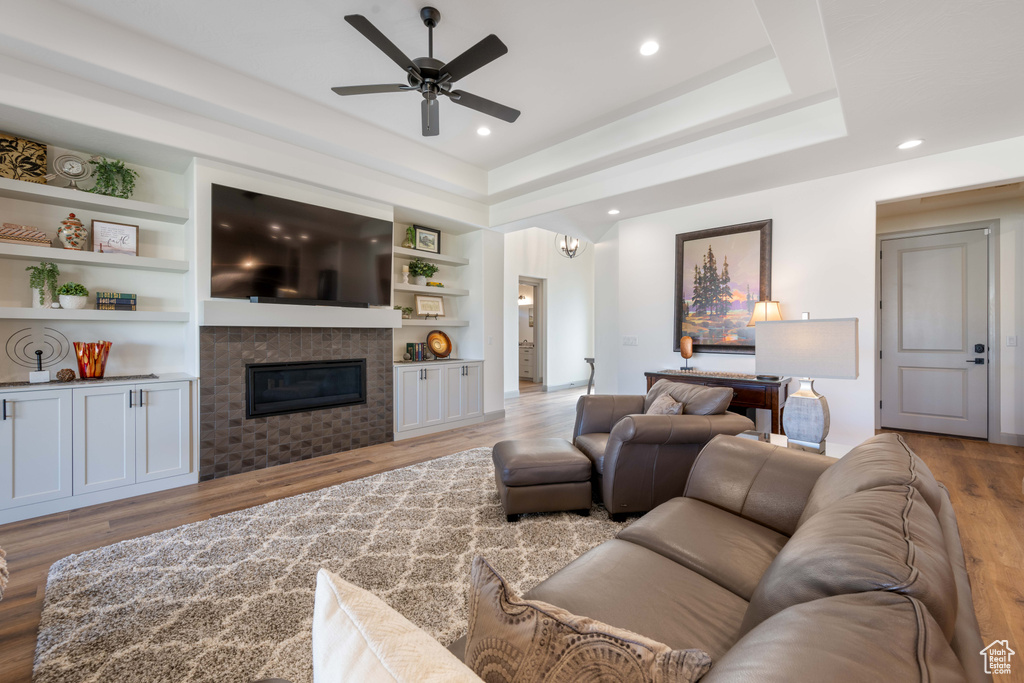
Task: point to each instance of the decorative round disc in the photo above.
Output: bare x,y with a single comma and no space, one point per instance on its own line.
439,343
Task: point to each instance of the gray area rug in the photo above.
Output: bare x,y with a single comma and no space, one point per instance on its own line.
231,599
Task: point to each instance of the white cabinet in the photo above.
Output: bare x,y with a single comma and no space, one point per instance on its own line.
35,447
464,390
431,396
527,363
162,431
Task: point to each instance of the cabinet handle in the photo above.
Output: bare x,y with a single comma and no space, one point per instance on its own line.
140,398
5,409
131,394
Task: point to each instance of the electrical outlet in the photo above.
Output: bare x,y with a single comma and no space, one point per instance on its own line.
631,340
490,341
1011,340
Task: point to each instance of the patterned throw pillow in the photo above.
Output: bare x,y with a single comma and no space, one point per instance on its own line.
664,405
512,640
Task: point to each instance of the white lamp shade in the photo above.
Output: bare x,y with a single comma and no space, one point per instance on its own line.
820,349
765,311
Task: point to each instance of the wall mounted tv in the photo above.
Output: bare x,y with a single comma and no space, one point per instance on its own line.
283,251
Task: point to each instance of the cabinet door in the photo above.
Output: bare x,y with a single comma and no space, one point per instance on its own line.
35,447
162,442
473,390
432,397
103,438
408,409
453,392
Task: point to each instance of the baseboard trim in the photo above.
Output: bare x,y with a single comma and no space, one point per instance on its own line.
448,426
570,385
1008,439
512,394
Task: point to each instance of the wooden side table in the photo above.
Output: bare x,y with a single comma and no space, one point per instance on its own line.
750,392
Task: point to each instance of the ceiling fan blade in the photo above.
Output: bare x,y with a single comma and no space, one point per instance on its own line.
484,106
363,25
484,52
370,89
429,112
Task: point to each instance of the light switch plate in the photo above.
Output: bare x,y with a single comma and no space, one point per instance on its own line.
631,340
1011,340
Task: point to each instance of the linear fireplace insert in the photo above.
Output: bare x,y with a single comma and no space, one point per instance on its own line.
279,388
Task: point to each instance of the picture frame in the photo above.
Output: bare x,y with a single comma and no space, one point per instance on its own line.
429,305
115,238
720,274
427,239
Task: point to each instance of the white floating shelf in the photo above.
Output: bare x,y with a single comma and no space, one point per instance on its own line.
440,322
436,291
86,201
440,259
25,252
241,313
91,314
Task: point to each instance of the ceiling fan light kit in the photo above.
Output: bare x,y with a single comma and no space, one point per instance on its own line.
431,77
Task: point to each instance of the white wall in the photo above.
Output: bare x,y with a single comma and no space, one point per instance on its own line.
569,299
823,262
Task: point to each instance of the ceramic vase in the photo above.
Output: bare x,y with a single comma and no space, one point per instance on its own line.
47,299
72,233
409,242
420,280
72,302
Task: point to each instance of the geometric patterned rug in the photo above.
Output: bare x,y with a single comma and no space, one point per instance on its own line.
231,598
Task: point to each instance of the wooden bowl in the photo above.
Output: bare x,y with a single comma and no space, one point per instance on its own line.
439,343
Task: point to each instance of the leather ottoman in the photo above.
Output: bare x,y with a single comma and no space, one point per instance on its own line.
541,475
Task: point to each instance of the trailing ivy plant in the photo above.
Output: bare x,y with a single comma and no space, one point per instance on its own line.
72,289
44,278
113,178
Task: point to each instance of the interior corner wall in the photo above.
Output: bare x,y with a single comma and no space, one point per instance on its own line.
569,299
823,261
484,311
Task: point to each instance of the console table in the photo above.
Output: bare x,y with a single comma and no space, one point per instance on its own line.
749,392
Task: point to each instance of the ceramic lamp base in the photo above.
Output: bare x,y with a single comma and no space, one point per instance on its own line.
806,418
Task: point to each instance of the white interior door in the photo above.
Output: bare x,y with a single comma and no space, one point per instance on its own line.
162,446
935,333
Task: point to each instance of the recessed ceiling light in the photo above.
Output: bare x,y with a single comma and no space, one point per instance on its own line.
909,144
613,212
483,130
649,48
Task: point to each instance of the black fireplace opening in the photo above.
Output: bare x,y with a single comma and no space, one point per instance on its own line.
279,388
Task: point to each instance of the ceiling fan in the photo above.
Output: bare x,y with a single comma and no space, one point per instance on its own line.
431,77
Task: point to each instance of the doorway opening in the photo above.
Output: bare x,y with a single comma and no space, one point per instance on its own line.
531,335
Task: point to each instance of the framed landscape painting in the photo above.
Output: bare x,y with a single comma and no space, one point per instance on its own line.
720,274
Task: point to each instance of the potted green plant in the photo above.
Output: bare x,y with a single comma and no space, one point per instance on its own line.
113,178
73,295
420,270
43,281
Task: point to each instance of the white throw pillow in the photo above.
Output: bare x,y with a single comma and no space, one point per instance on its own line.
358,637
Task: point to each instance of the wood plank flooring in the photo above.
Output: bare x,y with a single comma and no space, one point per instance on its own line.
984,480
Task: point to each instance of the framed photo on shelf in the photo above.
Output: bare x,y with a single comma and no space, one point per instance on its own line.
115,238
429,305
427,239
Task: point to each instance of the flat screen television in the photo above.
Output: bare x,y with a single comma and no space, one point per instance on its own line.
279,249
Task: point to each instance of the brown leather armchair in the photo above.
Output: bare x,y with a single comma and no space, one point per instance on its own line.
640,461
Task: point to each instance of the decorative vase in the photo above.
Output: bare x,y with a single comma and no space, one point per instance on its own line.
72,302
420,280
72,233
92,358
410,238
47,299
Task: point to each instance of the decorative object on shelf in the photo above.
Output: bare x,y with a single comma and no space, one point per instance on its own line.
72,168
410,238
22,159
43,281
37,348
428,239
115,238
92,358
73,295
115,301
825,349
686,351
434,284
420,270
720,274
439,343
65,375
113,178
12,233
72,233
406,356
406,312
405,274
765,311
427,305
569,247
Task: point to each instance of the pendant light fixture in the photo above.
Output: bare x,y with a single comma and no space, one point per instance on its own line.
570,247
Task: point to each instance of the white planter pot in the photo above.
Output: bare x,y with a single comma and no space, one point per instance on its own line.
72,302
420,280
47,300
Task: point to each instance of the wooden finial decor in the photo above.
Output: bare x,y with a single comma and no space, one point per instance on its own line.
686,351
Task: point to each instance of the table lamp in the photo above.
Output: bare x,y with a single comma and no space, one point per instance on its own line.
765,311
823,349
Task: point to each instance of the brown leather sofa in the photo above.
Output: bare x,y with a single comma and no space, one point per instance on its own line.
640,461
787,566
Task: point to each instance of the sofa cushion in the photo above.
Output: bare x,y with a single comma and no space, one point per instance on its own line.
696,399
859,638
886,539
511,639
731,551
664,405
631,587
883,460
358,637
593,446
529,462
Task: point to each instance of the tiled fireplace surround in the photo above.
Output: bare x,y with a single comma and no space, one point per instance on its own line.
230,443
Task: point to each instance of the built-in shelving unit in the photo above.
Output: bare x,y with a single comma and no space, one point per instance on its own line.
440,259
15,313
440,322
89,258
81,200
435,291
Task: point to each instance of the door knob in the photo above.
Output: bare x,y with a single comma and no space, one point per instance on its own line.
979,348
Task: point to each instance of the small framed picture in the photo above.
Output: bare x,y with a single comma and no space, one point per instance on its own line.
428,239
115,238
429,305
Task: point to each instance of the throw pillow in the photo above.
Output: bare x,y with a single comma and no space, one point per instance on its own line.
696,399
358,637
664,405
511,640
4,574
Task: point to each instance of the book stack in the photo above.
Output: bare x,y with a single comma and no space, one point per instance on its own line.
416,351
115,301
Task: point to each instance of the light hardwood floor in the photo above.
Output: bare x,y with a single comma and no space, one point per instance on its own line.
984,480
